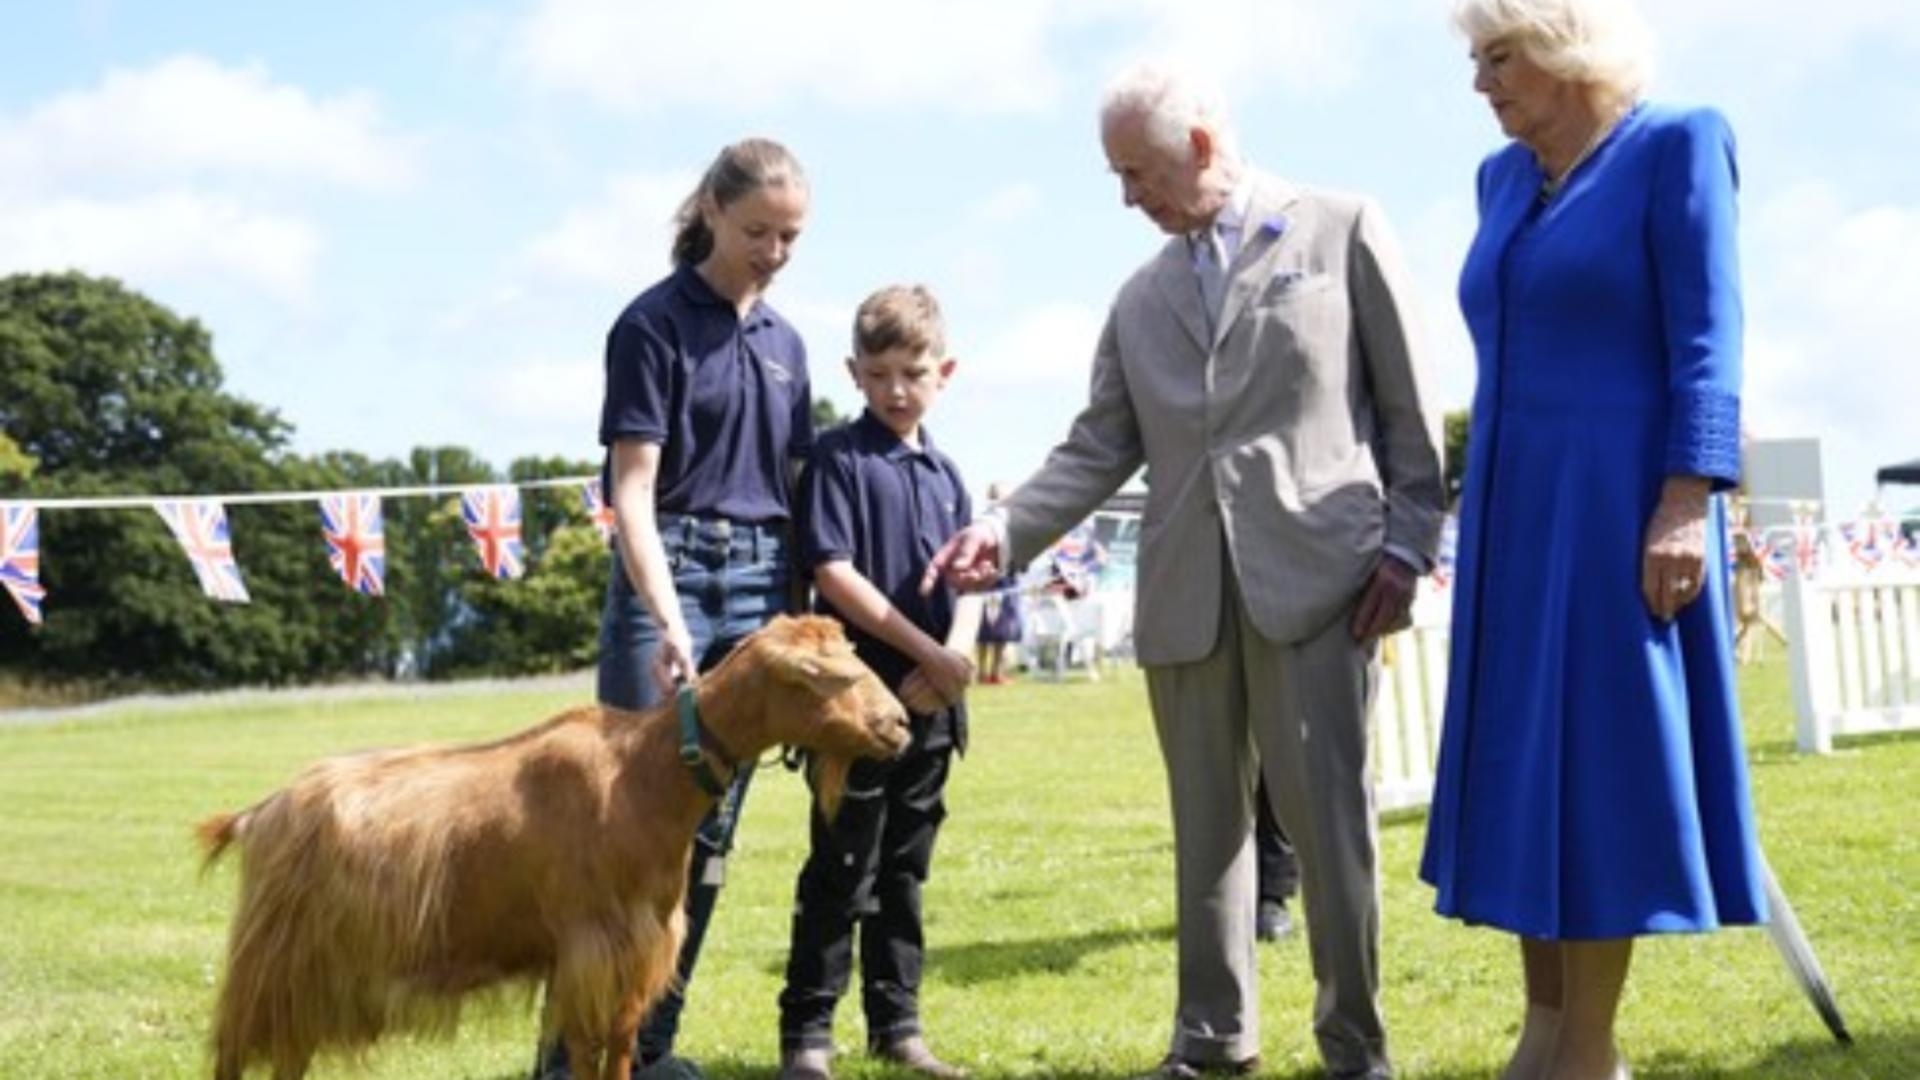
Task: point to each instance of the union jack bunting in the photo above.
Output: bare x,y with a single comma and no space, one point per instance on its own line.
200,525
356,541
1866,541
1906,550
20,559
595,500
1806,543
493,520
1776,556
1445,554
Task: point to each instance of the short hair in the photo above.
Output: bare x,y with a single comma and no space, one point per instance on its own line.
739,170
1173,101
900,316
1604,43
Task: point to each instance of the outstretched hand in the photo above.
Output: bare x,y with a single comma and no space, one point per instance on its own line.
969,560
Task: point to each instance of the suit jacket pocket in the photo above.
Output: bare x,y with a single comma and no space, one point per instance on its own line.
1288,285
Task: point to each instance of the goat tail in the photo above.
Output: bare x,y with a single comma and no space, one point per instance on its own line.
216,834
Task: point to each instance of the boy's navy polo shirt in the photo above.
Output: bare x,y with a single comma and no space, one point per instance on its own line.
727,399
886,507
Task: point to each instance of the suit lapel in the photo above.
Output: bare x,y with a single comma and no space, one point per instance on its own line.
1173,274
1265,229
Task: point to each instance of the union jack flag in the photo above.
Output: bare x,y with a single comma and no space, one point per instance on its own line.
1867,541
595,499
493,520
200,525
20,559
1906,550
1776,556
1806,543
1447,552
356,541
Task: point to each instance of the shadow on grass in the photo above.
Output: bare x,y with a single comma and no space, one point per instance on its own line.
1877,1055
1874,1056
987,961
1777,752
977,962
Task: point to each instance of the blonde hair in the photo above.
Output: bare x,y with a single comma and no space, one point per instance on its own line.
1173,102
740,170
1603,43
900,316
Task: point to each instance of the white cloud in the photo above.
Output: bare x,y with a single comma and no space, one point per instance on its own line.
985,56
1051,345
1832,319
989,56
559,394
170,236
621,237
190,117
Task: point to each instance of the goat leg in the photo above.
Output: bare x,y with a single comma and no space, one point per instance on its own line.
626,1027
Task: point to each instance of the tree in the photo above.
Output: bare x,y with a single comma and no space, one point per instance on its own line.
825,415
1458,423
109,393
15,464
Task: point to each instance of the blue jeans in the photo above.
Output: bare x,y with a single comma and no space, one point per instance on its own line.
731,578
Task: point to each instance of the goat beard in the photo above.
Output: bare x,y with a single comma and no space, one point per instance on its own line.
828,773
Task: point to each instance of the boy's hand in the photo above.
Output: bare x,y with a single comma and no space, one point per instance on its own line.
938,683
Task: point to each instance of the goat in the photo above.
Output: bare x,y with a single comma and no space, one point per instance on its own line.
378,889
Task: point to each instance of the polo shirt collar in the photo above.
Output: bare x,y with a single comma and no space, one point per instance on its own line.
881,437
695,291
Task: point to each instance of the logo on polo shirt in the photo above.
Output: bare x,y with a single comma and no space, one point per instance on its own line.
777,370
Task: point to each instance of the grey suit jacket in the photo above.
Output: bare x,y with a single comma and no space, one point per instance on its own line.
1301,430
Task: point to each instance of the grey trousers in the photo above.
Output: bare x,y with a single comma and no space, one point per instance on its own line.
1304,708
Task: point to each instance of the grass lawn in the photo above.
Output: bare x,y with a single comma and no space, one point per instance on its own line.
1049,916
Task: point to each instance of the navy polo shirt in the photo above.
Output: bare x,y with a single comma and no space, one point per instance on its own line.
886,507
726,399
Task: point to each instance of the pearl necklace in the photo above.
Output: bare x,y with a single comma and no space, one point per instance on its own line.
1551,185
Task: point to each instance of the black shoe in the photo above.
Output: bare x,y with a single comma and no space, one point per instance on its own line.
1273,922
1176,1067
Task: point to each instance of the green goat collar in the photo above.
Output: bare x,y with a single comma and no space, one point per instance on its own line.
696,745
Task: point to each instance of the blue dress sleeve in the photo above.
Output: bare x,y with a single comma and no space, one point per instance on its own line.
1697,263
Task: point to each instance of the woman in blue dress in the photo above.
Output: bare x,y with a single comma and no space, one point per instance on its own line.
1592,783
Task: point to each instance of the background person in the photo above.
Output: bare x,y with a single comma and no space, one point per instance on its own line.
708,408
1263,366
1592,785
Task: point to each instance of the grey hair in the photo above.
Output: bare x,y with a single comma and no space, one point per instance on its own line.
1173,102
1604,43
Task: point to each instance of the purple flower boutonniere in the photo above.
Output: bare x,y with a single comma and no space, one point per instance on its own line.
1275,227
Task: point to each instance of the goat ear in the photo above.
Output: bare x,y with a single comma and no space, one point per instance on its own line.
825,672
829,775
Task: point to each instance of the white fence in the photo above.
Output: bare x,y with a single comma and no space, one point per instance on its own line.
1855,641
1409,703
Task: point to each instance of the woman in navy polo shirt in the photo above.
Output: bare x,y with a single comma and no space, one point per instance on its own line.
707,411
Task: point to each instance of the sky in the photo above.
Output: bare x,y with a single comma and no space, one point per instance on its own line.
412,224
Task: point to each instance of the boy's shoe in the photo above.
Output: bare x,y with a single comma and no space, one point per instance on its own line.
1273,922
668,1067
1175,1067
806,1063
912,1052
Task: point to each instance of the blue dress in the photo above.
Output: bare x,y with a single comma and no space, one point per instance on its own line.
1592,781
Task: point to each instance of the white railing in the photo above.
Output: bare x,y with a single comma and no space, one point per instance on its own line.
1409,703
1855,640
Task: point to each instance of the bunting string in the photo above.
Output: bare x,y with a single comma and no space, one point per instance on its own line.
352,530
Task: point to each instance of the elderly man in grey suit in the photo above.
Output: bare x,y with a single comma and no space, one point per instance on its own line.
1264,367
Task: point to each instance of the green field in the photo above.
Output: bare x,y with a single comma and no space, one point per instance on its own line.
1050,912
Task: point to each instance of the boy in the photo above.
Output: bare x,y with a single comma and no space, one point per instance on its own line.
876,500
